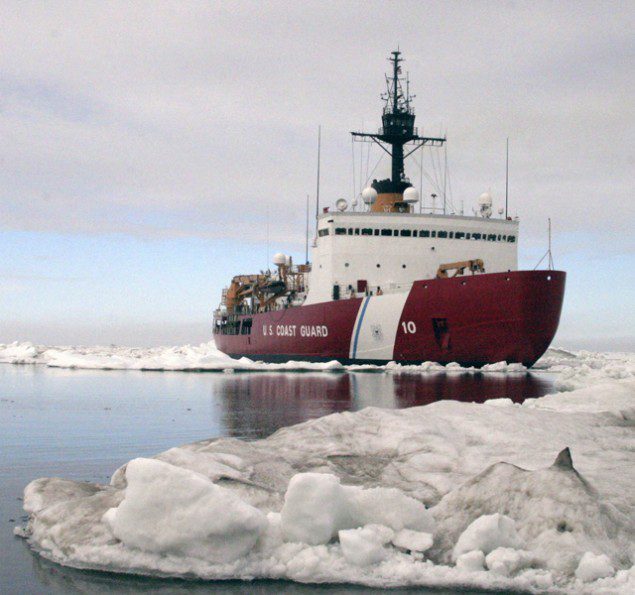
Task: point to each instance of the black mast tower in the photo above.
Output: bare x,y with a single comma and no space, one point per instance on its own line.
398,129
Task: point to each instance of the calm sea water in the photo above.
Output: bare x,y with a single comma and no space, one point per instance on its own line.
84,424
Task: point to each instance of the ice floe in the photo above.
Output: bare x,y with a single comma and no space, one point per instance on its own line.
575,369
529,497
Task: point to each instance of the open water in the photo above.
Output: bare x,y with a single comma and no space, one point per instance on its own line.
82,425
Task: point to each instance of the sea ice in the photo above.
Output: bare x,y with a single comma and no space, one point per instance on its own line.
365,546
415,541
507,561
172,510
306,519
593,567
487,533
358,497
473,561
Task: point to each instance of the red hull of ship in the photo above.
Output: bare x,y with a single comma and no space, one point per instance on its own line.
472,320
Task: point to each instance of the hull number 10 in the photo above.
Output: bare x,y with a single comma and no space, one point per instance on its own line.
409,327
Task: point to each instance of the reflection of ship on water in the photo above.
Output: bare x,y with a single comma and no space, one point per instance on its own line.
258,404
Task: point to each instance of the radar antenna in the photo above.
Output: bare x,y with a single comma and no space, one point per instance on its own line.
397,129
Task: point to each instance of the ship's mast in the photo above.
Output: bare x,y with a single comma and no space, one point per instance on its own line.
397,129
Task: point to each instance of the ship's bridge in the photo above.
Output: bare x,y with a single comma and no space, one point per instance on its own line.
369,252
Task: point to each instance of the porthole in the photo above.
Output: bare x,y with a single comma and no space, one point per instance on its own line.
346,264
403,266
378,265
463,282
548,277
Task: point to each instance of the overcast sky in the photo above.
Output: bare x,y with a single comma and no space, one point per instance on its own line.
144,146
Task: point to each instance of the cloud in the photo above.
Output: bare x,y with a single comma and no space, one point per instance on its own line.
195,120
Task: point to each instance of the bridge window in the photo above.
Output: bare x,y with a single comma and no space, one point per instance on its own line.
499,238
459,235
433,233
467,236
323,232
476,236
386,232
491,237
511,239
340,231
424,233
451,234
350,231
367,232
357,231
442,234
406,233
376,232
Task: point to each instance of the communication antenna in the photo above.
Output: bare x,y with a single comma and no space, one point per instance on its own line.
551,267
421,184
445,176
548,254
306,240
507,179
317,194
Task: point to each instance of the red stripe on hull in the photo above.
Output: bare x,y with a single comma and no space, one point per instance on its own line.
472,320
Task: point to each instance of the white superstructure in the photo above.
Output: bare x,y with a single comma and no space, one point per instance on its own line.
369,252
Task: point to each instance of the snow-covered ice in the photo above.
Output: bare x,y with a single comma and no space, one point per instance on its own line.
575,369
532,497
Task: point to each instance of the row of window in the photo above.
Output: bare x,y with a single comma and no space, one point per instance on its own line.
421,233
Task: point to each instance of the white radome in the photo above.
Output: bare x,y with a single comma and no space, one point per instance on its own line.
279,259
369,195
485,199
411,195
341,204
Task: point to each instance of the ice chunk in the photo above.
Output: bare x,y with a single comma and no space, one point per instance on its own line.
315,508
473,561
487,533
505,402
558,515
170,510
365,546
593,567
507,561
415,541
390,507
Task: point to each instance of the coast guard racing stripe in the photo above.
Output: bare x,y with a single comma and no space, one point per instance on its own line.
375,328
